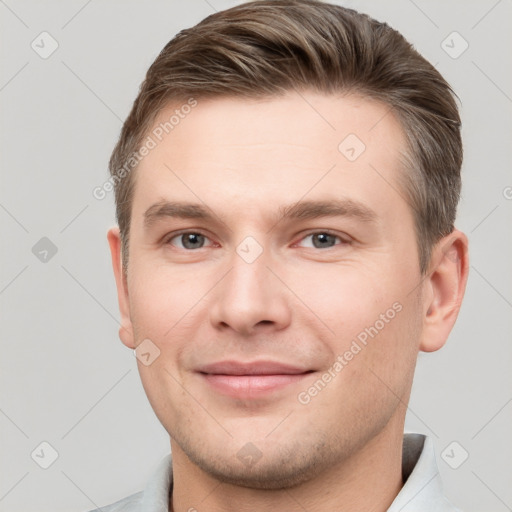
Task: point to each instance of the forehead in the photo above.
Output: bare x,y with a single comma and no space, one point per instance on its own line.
261,151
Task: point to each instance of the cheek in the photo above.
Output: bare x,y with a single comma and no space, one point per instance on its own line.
373,321
162,299
375,366
347,299
389,346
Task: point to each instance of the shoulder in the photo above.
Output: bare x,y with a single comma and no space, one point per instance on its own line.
155,496
129,504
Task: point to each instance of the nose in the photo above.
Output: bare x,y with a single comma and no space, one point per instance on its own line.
250,299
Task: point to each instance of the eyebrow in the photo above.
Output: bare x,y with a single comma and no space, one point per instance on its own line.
300,210
330,208
176,209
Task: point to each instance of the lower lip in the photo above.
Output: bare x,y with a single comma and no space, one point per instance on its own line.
251,386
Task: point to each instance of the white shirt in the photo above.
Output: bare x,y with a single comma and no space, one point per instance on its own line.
422,491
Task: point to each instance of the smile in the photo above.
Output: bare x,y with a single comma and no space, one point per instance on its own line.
251,380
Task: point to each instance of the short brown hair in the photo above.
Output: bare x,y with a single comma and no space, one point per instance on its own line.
270,47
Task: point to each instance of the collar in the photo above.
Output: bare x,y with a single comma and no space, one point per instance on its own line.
422,490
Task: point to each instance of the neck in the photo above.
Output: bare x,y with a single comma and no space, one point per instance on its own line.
367,481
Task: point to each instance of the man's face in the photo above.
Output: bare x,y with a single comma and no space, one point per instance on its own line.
277,273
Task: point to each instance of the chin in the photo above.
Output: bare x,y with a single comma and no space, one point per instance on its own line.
274,476
277,468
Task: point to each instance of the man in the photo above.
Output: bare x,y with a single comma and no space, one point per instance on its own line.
286,188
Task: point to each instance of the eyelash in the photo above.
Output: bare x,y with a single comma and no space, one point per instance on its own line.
169,239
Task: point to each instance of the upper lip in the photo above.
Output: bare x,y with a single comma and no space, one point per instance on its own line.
251,368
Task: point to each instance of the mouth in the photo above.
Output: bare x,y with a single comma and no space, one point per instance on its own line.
251,380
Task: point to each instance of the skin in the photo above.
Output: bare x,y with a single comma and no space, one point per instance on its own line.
298,303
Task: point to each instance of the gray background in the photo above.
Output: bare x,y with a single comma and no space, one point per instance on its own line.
66,379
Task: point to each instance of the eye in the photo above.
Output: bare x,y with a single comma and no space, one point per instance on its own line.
320,240
189,241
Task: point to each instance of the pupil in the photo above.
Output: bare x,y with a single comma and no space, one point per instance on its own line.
323,239
193,240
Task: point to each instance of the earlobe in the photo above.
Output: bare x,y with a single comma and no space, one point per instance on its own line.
126,328
444,289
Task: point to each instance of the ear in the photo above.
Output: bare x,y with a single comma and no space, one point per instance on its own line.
126,329
444,289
